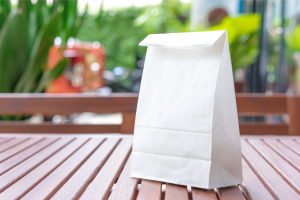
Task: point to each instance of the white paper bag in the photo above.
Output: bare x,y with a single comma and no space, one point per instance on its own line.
186,129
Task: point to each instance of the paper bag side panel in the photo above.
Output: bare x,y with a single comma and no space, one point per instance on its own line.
226,147
170,169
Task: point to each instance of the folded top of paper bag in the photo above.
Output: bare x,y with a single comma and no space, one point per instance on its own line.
183,40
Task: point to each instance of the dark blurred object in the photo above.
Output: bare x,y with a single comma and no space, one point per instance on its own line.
84,70
216,16
239,87
136,76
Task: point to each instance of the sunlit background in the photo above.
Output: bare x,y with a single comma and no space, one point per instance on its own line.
91,46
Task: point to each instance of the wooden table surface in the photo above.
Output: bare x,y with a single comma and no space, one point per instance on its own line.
45,166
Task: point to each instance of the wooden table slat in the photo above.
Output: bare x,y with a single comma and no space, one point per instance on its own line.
290,174
31,179
100,187
5,139
287,154
149,190
47,187
12,143
252,187
19,148
291,144
91,167
126,187
25,167
25,154
271,179
176,192
77,184
202,194
231,193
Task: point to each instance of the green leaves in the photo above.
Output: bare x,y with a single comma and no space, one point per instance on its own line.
13,51
70,15
293,39
50,75
5,7
243,41
39,54
25,6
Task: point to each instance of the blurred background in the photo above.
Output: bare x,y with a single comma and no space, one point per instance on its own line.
91,46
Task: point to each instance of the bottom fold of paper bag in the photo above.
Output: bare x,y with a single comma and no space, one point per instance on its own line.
179,170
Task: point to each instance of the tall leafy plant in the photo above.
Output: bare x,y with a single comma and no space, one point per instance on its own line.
26,35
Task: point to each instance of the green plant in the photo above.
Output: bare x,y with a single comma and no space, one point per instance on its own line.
120,30
27,32
243,36
293,39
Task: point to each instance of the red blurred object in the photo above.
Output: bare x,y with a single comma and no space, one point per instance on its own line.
84,71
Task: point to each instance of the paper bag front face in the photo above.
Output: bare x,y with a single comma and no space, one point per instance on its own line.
173,134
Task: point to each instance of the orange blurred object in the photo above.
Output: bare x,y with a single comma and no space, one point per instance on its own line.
84,70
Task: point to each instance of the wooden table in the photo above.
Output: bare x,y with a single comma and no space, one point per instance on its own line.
98,167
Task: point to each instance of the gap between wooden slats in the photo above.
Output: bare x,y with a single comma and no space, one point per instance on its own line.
19,148
25,154
101,186
287,172
47,187
252,187
287,154
275,184
12,143
40,162
126,187
77,184
5,139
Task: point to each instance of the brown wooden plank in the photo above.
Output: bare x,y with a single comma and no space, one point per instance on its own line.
252,186
202,194
294,115
101,186
12,143
260,104
176,192
118,102
17,149
287,154
47,187
290,174
66,103
77,184
20,188
21,127
275,184
27,153
127,127
291,144
25,167
149,190
231,193
126,187
5,139
263,129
